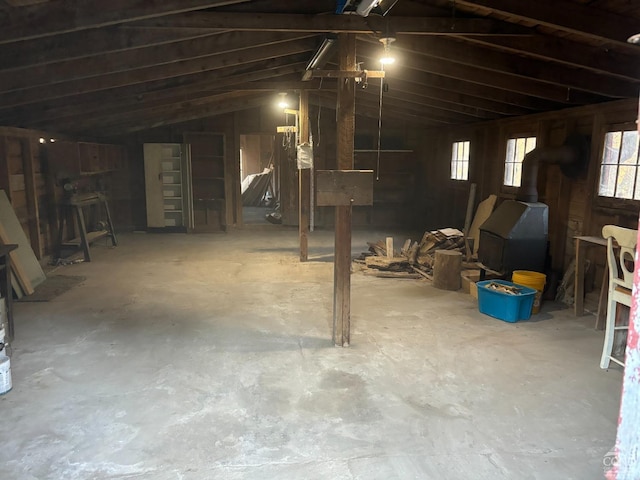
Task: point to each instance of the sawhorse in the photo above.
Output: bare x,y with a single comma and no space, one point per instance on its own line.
73,207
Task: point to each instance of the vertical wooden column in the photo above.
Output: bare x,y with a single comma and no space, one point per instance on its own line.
304,179
31,191
5,174
237,181
345,113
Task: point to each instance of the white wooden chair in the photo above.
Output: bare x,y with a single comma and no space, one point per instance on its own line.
620,283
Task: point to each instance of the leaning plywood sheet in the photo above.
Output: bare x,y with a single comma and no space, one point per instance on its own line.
16,284
484,211
24,263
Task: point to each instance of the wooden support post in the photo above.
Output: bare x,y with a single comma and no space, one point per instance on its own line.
389,243
5,175
237,181
345,113
304,179
31,191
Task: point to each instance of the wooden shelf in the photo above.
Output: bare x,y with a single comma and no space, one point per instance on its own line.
96,172
91,237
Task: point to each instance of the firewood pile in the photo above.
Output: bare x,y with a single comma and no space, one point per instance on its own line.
415,259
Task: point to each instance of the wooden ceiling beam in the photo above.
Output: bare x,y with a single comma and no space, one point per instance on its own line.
464,87
571,17
110,119
426,102
420,94
124,108
567,52
277,22
173,115
166,54
456,98
54,18
157,72
326,101
405,105
553,74
74,45
483,76
74,109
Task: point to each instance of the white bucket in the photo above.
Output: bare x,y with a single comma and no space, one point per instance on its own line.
5,374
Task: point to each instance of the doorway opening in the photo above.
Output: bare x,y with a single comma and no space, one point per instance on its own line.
259,178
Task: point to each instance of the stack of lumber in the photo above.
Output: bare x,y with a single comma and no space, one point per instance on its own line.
255,187
26,270
415,259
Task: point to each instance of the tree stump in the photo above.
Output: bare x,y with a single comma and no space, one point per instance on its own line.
447,266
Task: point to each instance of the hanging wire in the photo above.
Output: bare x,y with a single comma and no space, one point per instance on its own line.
319,111
379,124
453,16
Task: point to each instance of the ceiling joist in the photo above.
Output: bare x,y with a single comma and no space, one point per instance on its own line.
54,18
277,22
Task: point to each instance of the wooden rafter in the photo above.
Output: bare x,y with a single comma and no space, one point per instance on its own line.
257,21
86,43
60,113
172,115
568,52
164,54
156,72
507,81
504,63
567,16
106,114
55,18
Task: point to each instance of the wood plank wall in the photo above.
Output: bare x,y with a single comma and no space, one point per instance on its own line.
574,206
30,183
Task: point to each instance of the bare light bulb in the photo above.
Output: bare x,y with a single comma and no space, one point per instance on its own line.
387,58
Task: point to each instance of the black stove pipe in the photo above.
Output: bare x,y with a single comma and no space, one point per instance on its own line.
572,157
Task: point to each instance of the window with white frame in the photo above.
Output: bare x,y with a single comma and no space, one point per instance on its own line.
460,160
619,172
517,148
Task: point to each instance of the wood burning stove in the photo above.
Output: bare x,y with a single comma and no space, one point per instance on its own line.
514,237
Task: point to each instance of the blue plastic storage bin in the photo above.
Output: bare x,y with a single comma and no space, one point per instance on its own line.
503,306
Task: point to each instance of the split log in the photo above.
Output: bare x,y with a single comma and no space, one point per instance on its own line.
422,273
446,269
389,246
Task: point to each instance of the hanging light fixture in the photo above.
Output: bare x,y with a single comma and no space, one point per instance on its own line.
635,39
282,100
387,57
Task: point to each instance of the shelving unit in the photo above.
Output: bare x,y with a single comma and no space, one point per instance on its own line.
168,185
83,158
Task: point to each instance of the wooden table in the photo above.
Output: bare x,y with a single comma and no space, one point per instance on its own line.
5,284
582,243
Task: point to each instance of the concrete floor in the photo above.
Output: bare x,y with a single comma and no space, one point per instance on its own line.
209,357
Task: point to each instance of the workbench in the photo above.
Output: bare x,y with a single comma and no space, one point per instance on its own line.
73,207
